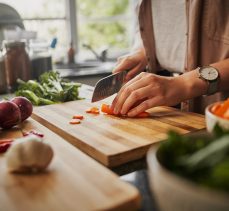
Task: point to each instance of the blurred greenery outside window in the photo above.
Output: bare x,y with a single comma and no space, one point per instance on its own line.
104,22
99,23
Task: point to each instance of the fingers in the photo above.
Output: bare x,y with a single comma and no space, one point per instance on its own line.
152,102
113,105
127,90
135,98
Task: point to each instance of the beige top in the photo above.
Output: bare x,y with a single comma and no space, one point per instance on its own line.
170,27
207,40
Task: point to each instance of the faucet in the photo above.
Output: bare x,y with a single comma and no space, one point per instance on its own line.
103,55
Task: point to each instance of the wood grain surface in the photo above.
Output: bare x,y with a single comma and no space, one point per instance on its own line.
73,181
115,140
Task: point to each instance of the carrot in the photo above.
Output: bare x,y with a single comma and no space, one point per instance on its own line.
143,115
224,107
215,108
78,117
93,110
74,121
107,109
226,114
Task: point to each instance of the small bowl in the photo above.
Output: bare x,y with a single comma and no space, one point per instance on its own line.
174,193
211,119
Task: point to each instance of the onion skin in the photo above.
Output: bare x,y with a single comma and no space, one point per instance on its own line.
24,105
10,114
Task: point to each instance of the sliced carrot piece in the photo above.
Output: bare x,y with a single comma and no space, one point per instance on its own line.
143,115
74,121
107,109
93,110
78,117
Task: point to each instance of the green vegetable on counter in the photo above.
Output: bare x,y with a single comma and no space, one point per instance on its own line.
50,89
203,159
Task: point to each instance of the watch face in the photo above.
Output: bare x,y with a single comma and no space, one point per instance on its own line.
209,73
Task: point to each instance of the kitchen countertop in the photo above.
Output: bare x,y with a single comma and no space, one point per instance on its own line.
134,172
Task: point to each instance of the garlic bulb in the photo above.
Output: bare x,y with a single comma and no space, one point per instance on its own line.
28,154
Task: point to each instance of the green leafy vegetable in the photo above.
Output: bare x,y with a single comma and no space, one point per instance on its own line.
202,159
50,89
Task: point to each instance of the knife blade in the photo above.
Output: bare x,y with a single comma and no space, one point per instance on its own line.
108,86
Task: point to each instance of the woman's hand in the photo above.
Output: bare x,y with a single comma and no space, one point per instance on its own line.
134,62
149,90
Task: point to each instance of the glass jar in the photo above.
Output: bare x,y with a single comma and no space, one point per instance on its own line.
17,63
3,86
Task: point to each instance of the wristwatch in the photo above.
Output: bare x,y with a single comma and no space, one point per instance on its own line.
211,76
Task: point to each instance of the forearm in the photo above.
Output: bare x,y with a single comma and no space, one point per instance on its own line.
194,86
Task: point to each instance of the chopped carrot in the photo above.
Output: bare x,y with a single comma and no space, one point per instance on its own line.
78,117
74,121
93,110
226,114
221,111
143,115
215,108
107,109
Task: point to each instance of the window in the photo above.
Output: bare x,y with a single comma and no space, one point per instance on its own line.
99,23
104,23
47,18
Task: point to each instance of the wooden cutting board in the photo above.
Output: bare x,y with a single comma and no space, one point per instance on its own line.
72,182
113,140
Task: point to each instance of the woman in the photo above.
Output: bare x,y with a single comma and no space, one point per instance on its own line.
190,37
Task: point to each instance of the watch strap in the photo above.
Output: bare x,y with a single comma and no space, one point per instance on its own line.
212,87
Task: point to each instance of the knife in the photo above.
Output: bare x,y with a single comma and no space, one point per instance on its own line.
108,86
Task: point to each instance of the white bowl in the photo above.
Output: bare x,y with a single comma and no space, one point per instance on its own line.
211,119
174,193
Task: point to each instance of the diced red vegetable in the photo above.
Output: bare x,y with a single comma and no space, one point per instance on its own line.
5,144
33,132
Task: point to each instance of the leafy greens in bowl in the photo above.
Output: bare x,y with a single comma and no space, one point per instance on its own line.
201,159
191,172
